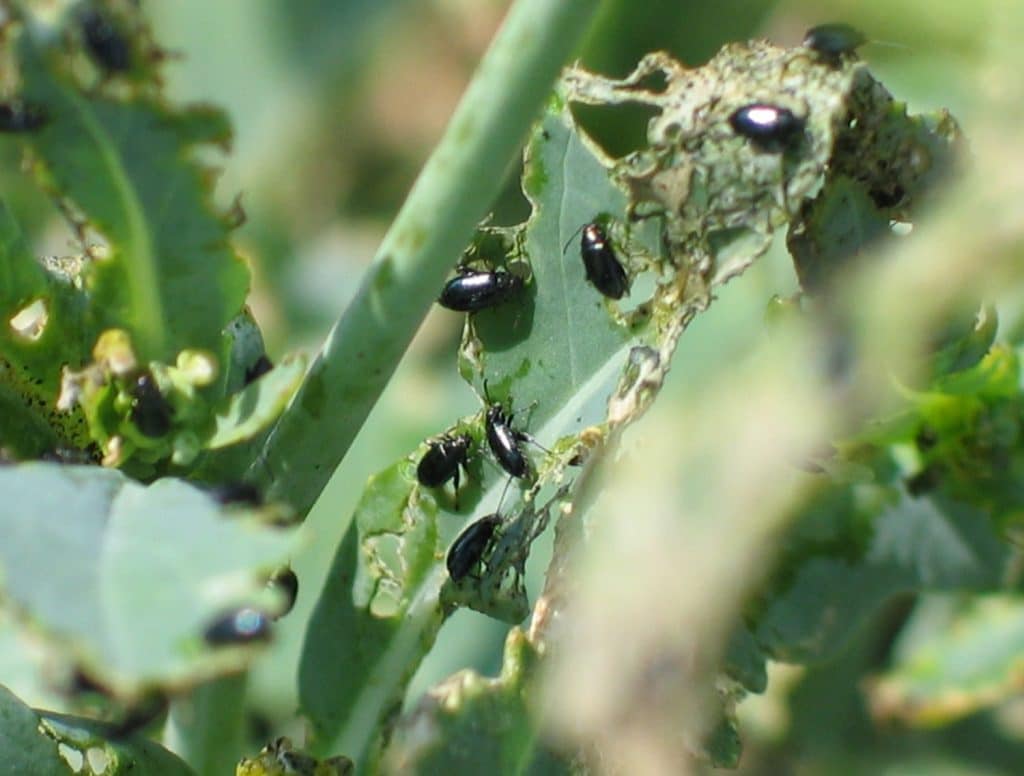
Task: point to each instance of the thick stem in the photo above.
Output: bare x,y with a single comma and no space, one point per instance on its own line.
204,728
452,194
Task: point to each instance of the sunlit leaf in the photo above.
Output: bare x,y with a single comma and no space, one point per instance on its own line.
127,578
168,273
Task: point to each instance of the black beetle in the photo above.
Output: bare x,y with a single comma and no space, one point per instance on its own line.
259,367
833,41
468,549
504,441
473,290
107,46
768,127
603,269
236,493
284,579
151,413
240,626
139,716
442,460
22,116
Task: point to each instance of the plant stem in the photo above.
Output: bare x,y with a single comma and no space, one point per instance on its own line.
204,728
452,194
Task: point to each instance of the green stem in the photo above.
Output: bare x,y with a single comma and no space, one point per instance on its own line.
454,191
204,728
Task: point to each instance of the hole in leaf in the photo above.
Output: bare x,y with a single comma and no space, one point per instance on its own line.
99,760
387,599
71,756
29,322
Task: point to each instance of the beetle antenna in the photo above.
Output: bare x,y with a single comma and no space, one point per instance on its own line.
528,437
572,237
503,492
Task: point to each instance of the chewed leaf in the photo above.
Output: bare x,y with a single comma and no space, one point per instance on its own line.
472,724
564,330
389,584
166,271
102,746
42,326
253,409
42,743
129,577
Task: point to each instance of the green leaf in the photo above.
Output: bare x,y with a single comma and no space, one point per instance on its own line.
472,724
250,411
170,276
745,661
955,665
842,224
31,364
43,743
925,544
25,749
97,743
127,577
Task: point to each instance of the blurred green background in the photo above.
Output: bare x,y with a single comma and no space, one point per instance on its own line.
336,104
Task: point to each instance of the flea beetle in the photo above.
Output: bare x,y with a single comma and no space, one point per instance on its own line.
469,548
768,127
833,41
22,116
151,413
603,269
259,367
236,493
473,290
504,441
241,626
442,461
107,46
284,579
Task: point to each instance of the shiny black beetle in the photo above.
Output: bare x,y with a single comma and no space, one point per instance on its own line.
769,127
469,548
833,41
151,412
284,579
602,266
442,461
241,626
504,441
473,290
238,492
20,115
106,45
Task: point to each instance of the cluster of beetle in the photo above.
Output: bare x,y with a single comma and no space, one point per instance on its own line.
769,128
470,291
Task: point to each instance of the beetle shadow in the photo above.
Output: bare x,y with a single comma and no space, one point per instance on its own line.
504,327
